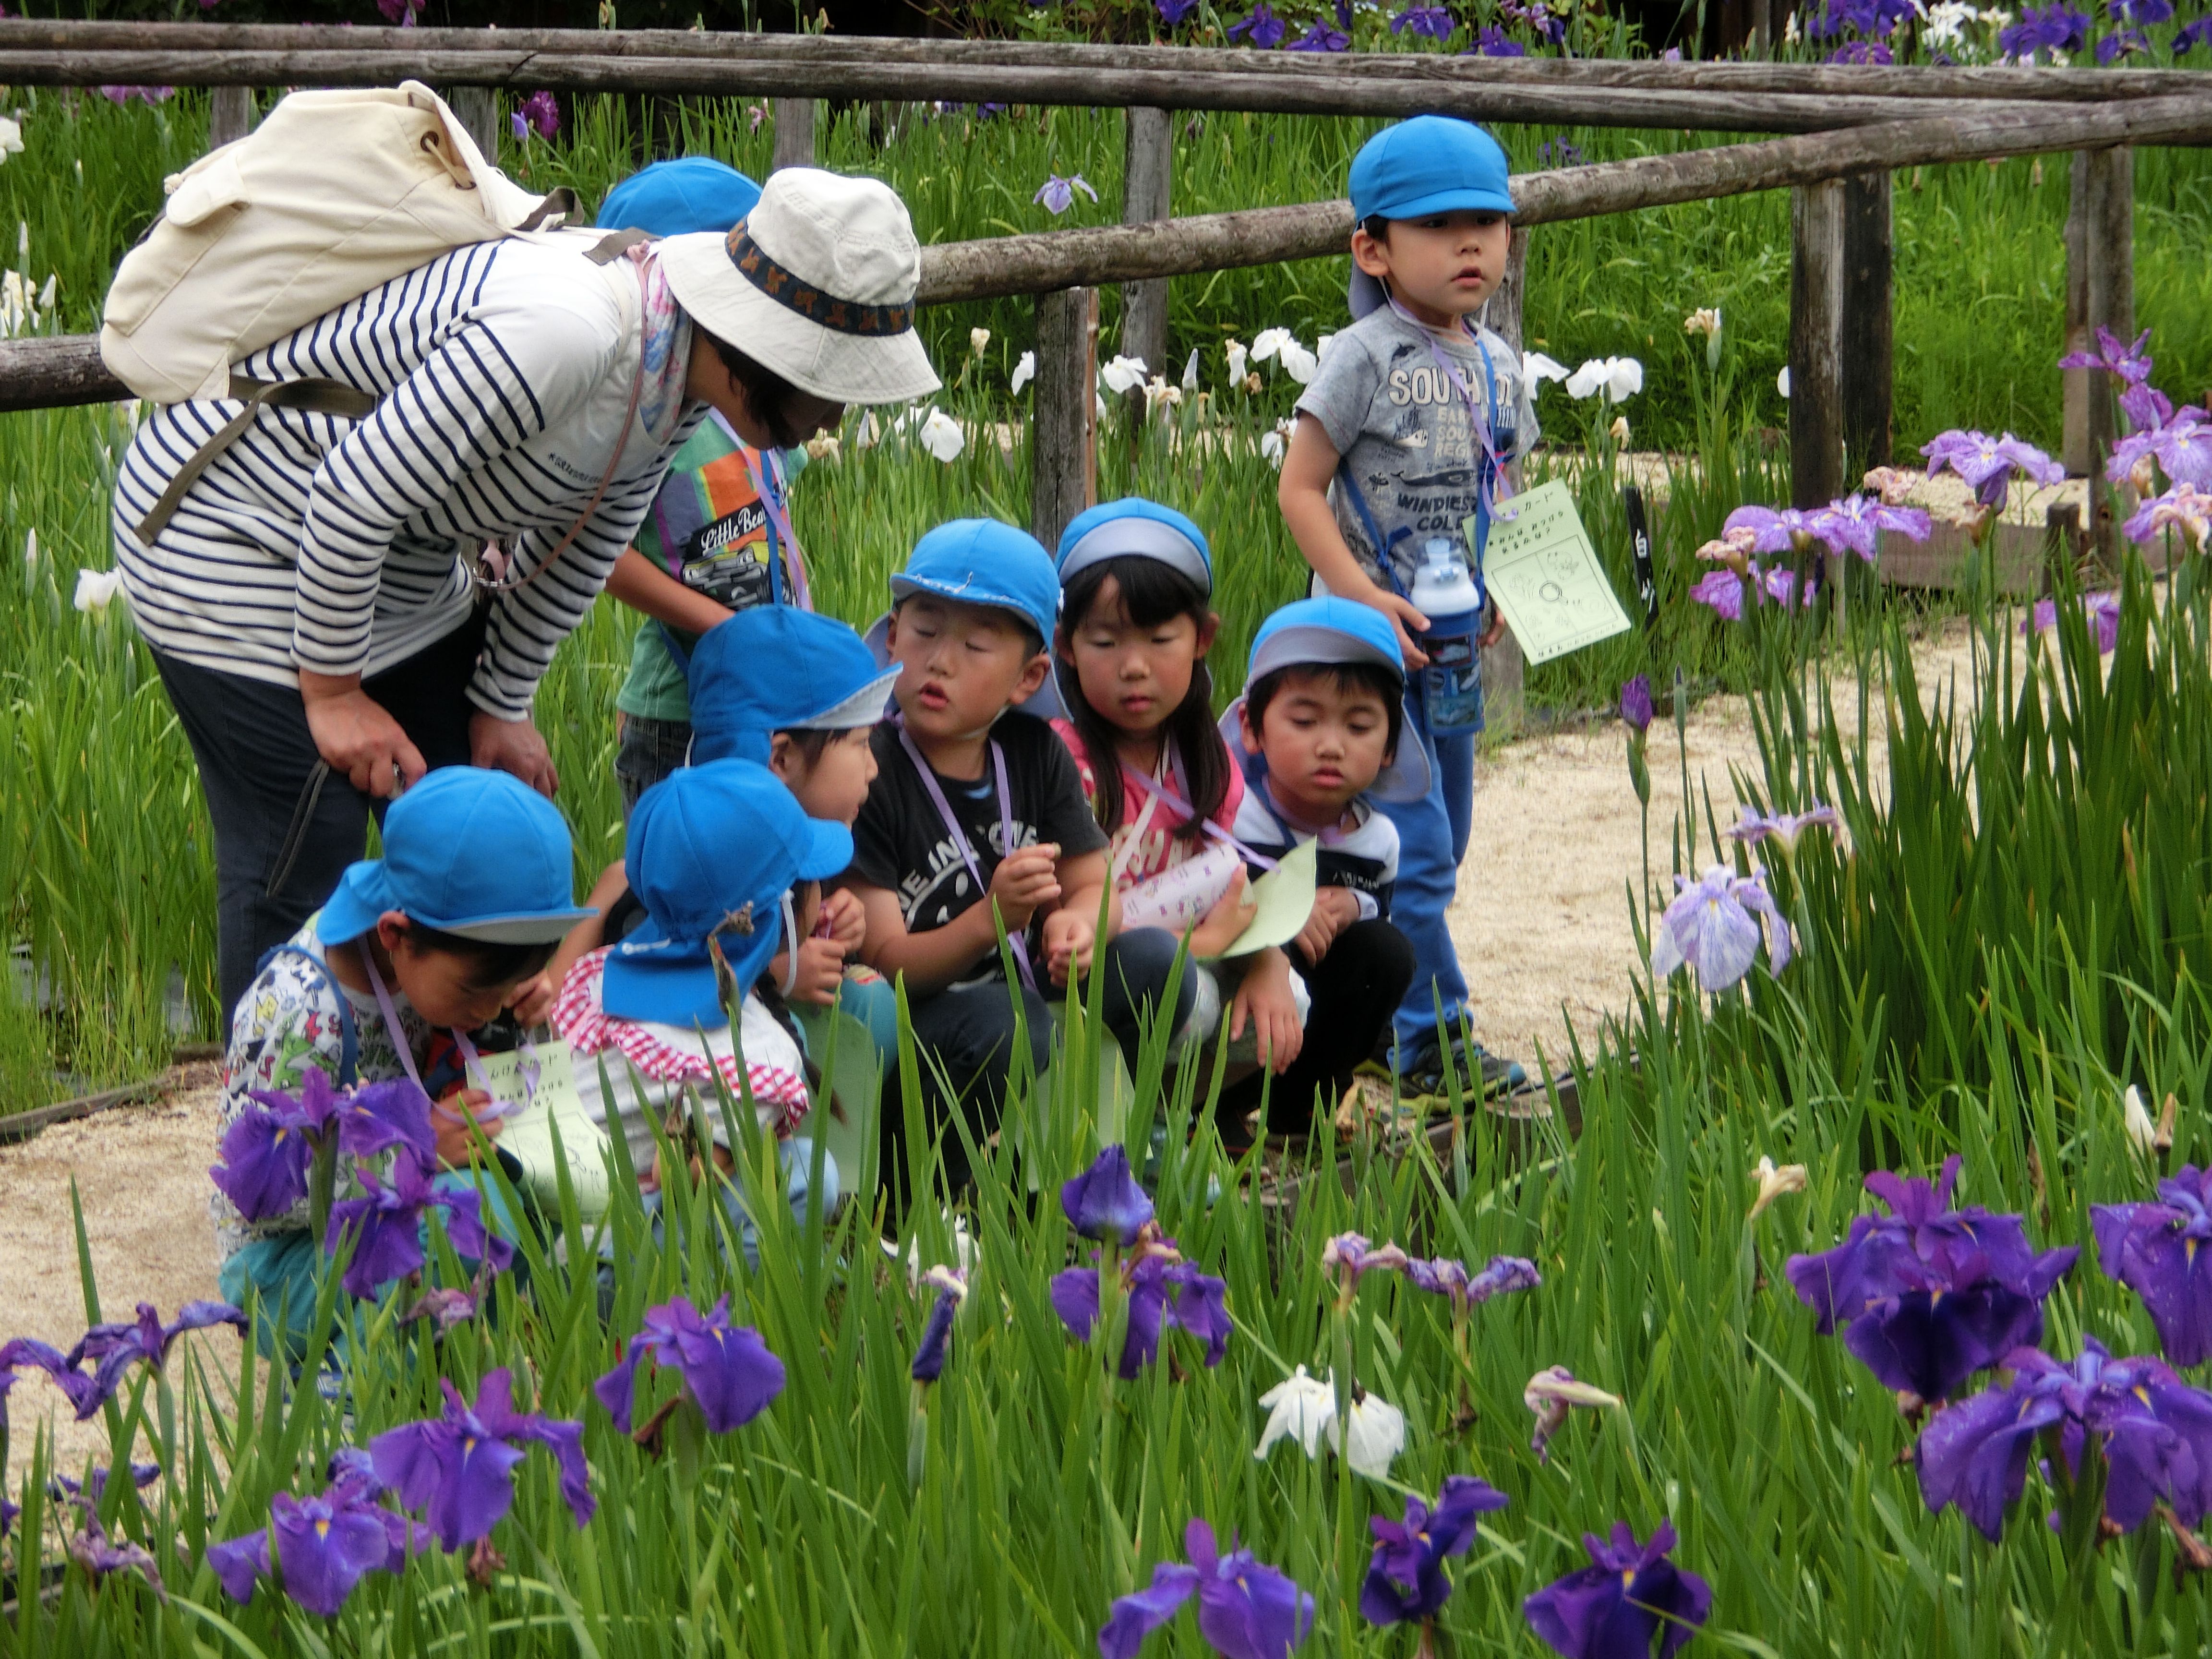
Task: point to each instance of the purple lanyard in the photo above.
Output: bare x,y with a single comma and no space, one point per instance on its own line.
1167,797
960,836
1477,421
778,521
469,1059
1283,820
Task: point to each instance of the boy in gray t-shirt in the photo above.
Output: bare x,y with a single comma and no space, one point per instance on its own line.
1400,438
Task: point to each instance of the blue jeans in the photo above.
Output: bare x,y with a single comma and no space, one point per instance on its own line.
1432,836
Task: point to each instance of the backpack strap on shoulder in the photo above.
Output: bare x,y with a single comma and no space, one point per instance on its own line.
349,1036
1375,537
316,395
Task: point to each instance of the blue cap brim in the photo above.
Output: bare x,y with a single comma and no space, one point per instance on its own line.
651,978
1404,777
1045,702
1459,198
364,894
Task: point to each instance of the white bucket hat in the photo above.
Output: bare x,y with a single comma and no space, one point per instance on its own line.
817,284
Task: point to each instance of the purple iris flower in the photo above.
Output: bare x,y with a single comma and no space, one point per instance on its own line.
2181,445
929,1354
728,1371
7,1513
2153,1429
2055,28
459,1466
1775,530
1165,1291
1490,42
92,1550
1446,1277
1406,1579
95,1483
1862,52
121,96
1559,152
115,1348
2139,11
2146,407
1321,36
1988,464
1856,523
2114,46
1105,1202
1245,1610
2153,1250
1723,591
1435,21
389,1220
325,1545
2131,363
540,115
1350,1258
1636,703
1174,11
27,1353
1713,926
2191,34
1058,194
1629,1594
1260,27
1782,827
267,1151
1927,1295
2101,610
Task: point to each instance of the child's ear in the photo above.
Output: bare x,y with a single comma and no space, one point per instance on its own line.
783,756
1370,256
1251,731
391,930
1033,673
1208,631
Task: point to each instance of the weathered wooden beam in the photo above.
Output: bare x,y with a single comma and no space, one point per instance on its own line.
1947,84
1816,324
794,134
865,79
1146,196
230,115
1866,325
1505,665
478,108
1064,432
2099,293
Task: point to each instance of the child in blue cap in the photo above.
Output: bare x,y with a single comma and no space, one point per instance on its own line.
974,797
1403,436
718,538
719,858
1137,620
1325,738
450,927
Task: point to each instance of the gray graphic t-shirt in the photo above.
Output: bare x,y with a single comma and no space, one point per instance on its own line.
1393,414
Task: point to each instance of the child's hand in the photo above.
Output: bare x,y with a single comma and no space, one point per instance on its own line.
1024,883
1068,941
1336,908
1495,632
533,1001
1264,998
452,1118
1404,616
821,971
1221,926
844,918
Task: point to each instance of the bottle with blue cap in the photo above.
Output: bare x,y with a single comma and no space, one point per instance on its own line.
1446,594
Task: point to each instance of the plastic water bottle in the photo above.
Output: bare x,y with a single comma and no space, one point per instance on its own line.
1445,594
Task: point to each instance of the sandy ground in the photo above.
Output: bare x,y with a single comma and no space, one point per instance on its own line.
1542,924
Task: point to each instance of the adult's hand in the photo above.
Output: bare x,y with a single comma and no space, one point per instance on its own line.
354,735
512,746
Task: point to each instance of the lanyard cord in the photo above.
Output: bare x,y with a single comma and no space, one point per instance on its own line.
469,1057
960,836
768,485
1160,792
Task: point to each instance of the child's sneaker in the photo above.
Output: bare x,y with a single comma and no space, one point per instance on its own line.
1421,1074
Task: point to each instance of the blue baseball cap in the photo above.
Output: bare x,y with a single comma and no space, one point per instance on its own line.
675,198
775,668
1134,527
713,852
1316,633
467,851
1430,164
988,562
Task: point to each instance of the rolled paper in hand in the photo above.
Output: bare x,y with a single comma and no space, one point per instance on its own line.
1180,898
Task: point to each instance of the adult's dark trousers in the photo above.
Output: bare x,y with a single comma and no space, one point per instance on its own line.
966,1035
286,826
1361,978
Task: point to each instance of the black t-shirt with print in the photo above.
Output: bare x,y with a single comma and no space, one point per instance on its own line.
900,843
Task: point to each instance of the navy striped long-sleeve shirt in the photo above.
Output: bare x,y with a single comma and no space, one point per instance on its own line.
503,373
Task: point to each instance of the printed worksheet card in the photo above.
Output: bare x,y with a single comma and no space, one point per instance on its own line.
1545,575
539,1086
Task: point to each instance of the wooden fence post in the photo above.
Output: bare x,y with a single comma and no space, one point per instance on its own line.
230,115
478,108
1146,186
1504,670
1064,431
2100,291
1866,342
794,133
1816,308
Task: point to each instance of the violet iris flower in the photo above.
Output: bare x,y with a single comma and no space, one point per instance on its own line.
2154,1249
2181,444
1058,194
459,1466
1713,926
2139,11
1559,152
1445,1277
266,1152
1260,27
936,1335
1723,591
2183,508
1988,464
2055,28
2191,34
1165,1291
1105,1202
1435,21
1490,42
24,1351
117,1347
728,1372
325,1545
1636,703
1406,1579
389,1220
1782,827
2115,355
540,115
1775,530
1630,1592
1321,36
1854,524
1174,11
1927,1295
2154,1430
98,1555
1862,52
1245,1610
1350,1258
2101,610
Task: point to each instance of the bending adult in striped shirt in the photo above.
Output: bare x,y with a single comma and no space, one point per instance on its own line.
318,601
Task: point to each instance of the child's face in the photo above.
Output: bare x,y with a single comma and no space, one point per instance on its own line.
961,665
835,783
438,984
1326,738
1134,677
1442,267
